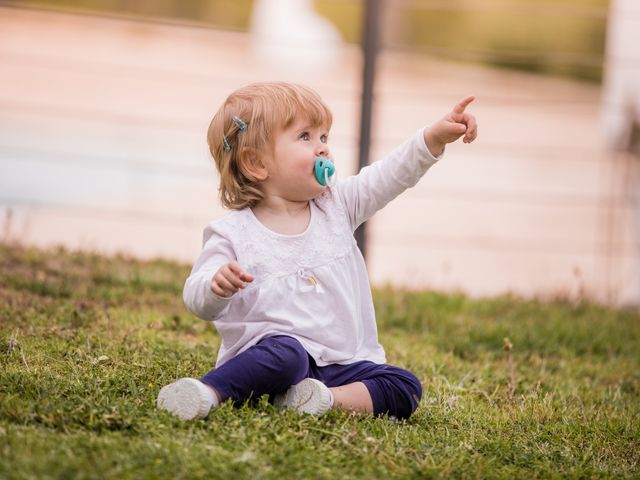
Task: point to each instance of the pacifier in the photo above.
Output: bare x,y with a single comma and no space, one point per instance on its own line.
325,172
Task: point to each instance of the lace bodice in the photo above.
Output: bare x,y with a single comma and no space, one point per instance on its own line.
266,254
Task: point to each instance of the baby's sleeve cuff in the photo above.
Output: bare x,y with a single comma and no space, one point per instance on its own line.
429,157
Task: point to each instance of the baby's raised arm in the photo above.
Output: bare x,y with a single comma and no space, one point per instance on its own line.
382,181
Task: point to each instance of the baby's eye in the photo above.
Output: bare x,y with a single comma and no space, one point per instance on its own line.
324,138
304,136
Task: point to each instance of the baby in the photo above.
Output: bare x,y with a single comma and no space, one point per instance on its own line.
281,276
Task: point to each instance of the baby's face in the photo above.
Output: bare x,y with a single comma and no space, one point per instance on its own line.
291,170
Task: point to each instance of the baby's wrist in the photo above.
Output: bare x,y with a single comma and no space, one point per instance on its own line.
435,147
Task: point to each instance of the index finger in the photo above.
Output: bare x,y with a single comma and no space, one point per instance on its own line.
246,277
237,270
234,267
464,103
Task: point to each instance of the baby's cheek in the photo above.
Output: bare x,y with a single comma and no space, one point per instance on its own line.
304,170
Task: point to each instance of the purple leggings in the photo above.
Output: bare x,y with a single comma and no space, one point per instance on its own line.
275,363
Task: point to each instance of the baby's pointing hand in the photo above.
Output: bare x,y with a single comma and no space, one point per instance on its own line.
229,279
451,127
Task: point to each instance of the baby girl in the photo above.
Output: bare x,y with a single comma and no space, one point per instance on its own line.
281,277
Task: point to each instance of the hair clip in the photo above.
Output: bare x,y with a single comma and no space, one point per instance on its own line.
227,147
240,124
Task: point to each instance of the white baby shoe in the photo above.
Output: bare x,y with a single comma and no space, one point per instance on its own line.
308,396
187,399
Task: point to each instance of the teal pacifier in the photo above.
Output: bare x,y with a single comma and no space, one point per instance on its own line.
325,171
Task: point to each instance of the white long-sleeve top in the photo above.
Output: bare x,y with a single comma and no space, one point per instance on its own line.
312,286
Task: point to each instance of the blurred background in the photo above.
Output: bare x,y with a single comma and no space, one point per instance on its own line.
104,107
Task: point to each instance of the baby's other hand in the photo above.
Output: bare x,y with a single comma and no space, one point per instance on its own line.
451,127
229,279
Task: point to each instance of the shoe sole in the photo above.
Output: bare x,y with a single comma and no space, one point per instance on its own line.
187,399
308,396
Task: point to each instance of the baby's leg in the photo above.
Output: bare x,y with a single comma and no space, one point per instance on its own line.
373,388
271,366
354,397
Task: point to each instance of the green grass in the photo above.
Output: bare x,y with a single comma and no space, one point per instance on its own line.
86,342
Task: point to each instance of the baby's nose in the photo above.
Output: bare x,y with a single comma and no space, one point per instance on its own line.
322,150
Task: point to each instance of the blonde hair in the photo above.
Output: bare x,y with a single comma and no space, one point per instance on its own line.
267,108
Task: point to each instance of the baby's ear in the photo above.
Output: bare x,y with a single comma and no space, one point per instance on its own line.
251,166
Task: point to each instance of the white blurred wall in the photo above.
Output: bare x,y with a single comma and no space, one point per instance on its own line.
289,33
621,117
621,93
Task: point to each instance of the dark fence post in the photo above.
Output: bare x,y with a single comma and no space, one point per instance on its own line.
370,47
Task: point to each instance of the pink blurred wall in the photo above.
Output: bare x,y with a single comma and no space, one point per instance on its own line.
102,146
